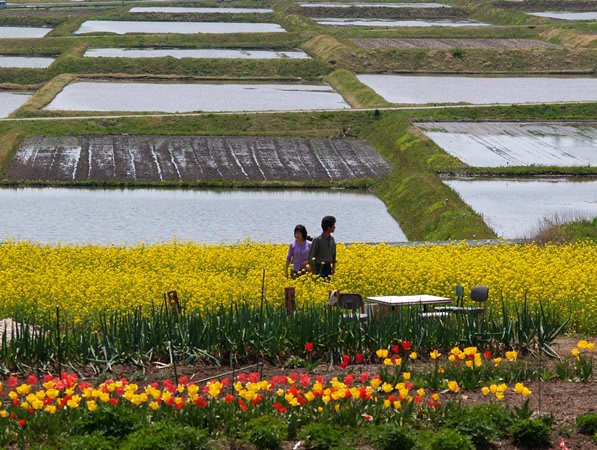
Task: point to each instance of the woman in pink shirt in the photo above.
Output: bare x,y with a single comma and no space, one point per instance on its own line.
298,253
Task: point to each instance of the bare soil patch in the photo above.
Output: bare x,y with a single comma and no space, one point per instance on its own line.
453,43
191,158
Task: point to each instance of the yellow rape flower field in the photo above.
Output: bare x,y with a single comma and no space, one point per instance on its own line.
84,280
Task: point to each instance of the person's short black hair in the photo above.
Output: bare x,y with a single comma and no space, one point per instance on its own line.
301,229
327,222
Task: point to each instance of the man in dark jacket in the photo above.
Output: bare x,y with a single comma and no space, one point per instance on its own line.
322,257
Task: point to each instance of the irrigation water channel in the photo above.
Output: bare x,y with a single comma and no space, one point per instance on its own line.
130,216
10,101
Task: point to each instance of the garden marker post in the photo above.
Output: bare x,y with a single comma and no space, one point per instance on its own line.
290,300
58,351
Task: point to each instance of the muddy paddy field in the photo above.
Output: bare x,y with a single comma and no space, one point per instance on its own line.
193,158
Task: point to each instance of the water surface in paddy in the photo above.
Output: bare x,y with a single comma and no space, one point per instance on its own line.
481,90
194,53
25,62
23,32
147,27
499,144
399,23
514,209
565,15
194,10
148,215
11,101
188,97
372,5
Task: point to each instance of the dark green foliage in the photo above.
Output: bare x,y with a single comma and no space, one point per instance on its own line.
266,432
392,437
457,53
532,433
164,436
108,421
482,423
587,423
94,441
449,439
320,436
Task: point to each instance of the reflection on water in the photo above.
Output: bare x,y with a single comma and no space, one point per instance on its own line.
565,15
23,32
124,27
188,97
25,62
515,208
149,215
11,101
194,53
480,90
399,23
495,144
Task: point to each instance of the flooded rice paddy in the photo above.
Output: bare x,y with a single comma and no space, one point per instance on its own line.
495,144
197,10
23,32
398,23
25,62
189,97
147,27
189,158
221,53
481,90
565,15
11,101
515,209
372,5
451,43
148,215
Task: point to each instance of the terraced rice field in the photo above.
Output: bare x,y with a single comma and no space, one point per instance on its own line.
499,144
187,97
7,32
131,26
452,43
10,101
187,158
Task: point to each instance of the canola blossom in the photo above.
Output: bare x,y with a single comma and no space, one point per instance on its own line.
86,280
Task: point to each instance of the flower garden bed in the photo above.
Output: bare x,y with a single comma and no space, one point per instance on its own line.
394,398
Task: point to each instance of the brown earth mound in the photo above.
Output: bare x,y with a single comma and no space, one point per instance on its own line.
452,43
189,158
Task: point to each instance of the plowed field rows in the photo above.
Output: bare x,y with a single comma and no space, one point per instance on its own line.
187,158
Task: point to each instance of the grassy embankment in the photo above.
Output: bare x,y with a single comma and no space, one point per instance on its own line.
557,231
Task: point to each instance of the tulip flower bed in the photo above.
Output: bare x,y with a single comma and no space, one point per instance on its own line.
405,399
